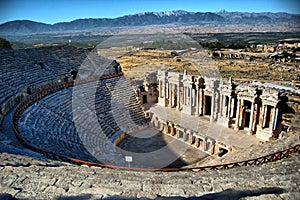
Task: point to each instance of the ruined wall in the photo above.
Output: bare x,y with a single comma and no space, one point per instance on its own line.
262,109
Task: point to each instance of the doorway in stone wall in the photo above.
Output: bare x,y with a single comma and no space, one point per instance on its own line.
247,114
207,105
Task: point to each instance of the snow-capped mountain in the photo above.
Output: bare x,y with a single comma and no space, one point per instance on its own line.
176,18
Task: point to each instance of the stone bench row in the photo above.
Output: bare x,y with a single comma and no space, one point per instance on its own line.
44,129
54,118
30,68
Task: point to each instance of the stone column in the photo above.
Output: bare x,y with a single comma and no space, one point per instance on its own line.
177,133
222,105
202,144
255,120
191,138
197,142
264,115
186,136
205,144
231,111
237,122
160,89
201,99
191,98
184,95
228,113
251,117
170,95
275,119
167,90
210,145
213,100
162,95
197,101
178,97
171,128
164,90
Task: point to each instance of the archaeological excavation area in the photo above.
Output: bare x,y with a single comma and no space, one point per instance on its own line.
68,111
96,115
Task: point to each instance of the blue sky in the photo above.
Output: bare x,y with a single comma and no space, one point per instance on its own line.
53,11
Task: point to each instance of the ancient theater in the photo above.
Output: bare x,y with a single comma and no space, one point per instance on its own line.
70,105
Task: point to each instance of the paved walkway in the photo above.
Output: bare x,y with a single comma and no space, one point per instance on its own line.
204,127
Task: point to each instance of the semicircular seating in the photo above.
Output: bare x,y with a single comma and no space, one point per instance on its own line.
62,123
24,71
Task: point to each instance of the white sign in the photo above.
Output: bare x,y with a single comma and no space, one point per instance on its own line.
128,158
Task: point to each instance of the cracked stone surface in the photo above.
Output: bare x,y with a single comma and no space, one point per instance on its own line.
275,180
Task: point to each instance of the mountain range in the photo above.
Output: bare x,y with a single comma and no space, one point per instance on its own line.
172,18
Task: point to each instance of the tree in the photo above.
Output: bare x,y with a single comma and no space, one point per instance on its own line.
5,44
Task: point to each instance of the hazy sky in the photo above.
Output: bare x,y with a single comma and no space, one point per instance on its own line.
52,11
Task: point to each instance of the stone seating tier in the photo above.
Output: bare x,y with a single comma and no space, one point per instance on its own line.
33,67
71,120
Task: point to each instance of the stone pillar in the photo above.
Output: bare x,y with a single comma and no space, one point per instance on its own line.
177,133
222,105
167,90
191,139
202,144
184,95
229,107
213,100
264,115
170,94
256,117
160,89
185,136
162,92
210,144
172,129
231,110
156,123
178,97
205,144
191,98
237,124
275,119
212,147
197,142
197,101
201,99
251,117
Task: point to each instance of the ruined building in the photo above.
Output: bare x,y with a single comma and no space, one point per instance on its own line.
260,109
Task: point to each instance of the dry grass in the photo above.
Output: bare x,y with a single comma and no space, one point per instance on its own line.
135,63
258,70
